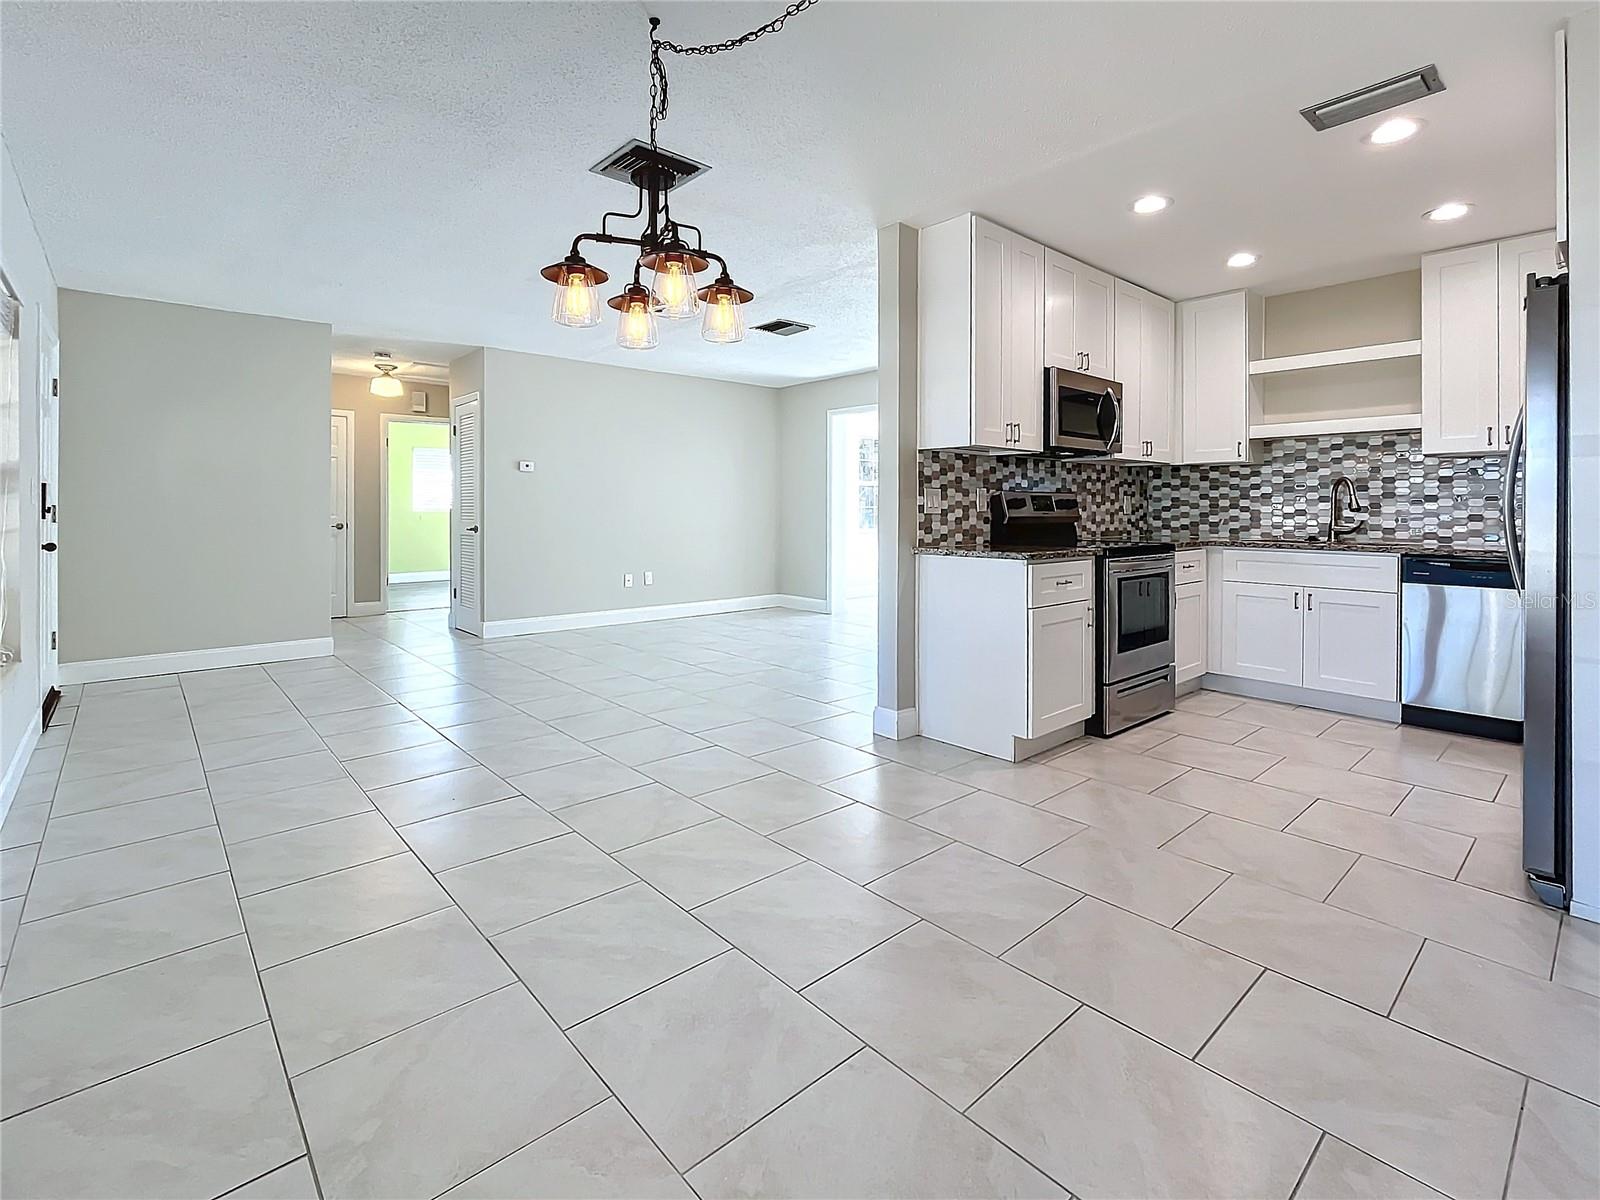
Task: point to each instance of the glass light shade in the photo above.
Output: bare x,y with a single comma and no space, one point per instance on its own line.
636,323
576,304
388,386
724,319
674,288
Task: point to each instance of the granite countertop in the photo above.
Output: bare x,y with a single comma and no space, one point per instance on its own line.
982,548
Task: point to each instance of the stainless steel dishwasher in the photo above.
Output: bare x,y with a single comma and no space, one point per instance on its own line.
1460,646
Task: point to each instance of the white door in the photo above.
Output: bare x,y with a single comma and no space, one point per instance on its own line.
991,349
466,517
1352,642
1189,630
1060,667
1519,258
48,500
339,512
1262,626
1460,351
1216,379
1025,390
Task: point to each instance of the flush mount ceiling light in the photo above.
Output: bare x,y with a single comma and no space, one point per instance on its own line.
1450,210
1145,205
1242,258
1394,131
385,384
665,248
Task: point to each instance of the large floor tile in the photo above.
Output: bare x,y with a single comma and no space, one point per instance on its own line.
1295,864
350,995
415,762
105,828
1496,864
923,753
1341,1172
640,814
80,1036
1211,704
859,842
1282,716
705,770
1458,814
1163,887
306,917
865,1129
16,870
1234,761
600,1155
1468,918
899,790
279,812
1320,751
602,723
86,879
1109,1113
104,791
587,958
950,1016
1027,782
1423,771
804,922
458,1093
772,802
89,942
1123,813
1558,1148
979,898
457,838
706,861
1537,1028
1243,800
566,784
24,825
523,885
648,744
1369,792
1433,1111
1422,847
283,858
1578,955
274,775
532,754
496,731
195,1125
707,1054
381,739
1167,986
1381,735
819,761
452,791
1005,828
1213,727
1353,957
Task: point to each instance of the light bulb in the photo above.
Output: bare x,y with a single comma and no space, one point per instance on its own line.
1450,210
387,385
1145,205
636,325
724,319
1394,131
1242,258
575,303
674,289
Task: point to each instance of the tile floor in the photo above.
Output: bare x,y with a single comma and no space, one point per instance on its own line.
647,911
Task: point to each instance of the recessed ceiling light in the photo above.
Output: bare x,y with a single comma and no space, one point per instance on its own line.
1242,259
1450,210
1394,131
1145,205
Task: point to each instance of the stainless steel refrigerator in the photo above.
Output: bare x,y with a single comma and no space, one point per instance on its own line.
1537,547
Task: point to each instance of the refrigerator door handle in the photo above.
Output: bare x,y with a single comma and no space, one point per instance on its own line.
1508,501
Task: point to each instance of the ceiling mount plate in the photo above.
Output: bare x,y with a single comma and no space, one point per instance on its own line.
634,163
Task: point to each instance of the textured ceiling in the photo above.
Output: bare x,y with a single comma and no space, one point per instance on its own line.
403,171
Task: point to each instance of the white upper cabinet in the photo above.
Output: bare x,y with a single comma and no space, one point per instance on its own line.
1215,336
1144,352
1079,317
1520,257
980,338
1461,351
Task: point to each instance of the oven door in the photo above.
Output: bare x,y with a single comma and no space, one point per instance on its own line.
1082,412
1137,625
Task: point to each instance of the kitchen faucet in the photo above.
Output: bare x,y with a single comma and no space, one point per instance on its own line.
1346,513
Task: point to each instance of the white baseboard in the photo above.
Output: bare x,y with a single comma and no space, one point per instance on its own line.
139,666
896,724
519,626
1255,689
12,780
366,608
1584,912
419,576
803,603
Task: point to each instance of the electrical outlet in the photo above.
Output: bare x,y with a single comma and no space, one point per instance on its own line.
627,581
649,578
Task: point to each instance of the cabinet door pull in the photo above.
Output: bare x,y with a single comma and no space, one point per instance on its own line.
1491,435
1297,602
1508,435
1309,595
1239,449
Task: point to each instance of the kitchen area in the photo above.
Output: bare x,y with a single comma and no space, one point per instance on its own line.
1344,498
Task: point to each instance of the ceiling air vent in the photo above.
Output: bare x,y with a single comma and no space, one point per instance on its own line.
782,327
1402,89
632,162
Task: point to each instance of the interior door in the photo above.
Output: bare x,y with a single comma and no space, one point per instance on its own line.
466,517
1262,632
1352,642
49,499
339,513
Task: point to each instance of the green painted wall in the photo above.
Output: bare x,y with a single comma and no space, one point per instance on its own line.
418,541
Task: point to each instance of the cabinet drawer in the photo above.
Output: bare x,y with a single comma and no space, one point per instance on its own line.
1189,566
1060,582
1313,568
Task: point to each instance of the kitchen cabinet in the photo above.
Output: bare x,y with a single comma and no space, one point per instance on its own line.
1263,632
1189,630
1351,643
1060,666
1145,341
1518,258
1218,337
1079,317
980,338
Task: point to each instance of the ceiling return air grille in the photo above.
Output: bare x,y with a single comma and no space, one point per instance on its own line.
782,328
1363,102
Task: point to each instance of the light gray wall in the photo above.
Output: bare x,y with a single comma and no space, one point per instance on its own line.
803,504
194,478
634,471
897,474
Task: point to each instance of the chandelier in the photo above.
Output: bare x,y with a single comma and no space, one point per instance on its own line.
666,249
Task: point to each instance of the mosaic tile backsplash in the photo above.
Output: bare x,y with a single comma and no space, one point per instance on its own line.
1442,503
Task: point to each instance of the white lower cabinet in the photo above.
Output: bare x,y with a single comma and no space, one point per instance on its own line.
1350,643
1060,666
1189,630
1262,632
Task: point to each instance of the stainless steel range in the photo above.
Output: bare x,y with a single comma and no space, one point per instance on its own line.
1134,673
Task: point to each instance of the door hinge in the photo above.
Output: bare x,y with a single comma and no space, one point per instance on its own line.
452,593
55,388
52,639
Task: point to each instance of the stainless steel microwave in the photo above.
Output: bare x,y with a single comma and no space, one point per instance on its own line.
1083,413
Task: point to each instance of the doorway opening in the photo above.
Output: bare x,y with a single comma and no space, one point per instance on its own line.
418,486
853,511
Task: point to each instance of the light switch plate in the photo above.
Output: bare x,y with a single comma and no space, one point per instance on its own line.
627,581
649,578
